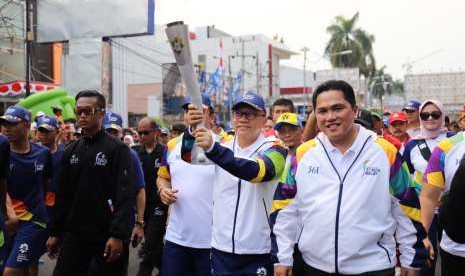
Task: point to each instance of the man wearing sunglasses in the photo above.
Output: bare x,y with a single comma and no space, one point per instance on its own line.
246,173
47,132
412,111
150,154
30,171
95,197
113,124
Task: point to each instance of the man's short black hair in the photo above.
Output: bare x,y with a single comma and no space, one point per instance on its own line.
284,102
340,85
179,128
92,94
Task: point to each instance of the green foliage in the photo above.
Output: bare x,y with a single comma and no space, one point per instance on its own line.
346,36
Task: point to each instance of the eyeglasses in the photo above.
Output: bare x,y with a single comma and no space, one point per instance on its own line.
409,110
145,132
88,111
424,116
249,115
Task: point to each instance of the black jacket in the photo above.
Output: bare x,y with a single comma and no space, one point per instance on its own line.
95,194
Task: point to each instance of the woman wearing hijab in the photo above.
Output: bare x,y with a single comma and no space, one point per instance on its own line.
416,155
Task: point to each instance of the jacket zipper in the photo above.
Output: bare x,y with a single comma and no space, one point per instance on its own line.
384,248
266,213
235,215
239,184
338,210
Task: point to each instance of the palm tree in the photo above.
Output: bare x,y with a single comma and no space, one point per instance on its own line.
381,84
345,36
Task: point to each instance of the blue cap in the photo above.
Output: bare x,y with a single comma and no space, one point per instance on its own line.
15,114
251,98
112,120
48,122
412,104
205,101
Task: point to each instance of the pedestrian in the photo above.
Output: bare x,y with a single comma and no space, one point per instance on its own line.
188,190
461,118
48,129
398,123
30,171
4,167
280,106
289,130
353,196
246,175
113,125
447,162
413,118
94,199
150,153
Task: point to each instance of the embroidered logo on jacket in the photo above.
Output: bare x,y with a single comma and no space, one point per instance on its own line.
313,169
74,159
100,159
369,170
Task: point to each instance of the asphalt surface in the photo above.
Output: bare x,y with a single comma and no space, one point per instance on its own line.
46,268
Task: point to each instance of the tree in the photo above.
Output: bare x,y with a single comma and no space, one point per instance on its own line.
381,84
345,36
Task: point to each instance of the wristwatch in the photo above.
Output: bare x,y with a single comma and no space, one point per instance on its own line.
140,223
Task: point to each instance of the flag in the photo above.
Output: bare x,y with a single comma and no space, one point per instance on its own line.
202,81
234,90
215,82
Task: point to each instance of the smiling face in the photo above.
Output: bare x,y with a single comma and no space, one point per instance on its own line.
432,124
335,116
248,122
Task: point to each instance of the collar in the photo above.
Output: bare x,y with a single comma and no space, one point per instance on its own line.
260,139
99,134
362,135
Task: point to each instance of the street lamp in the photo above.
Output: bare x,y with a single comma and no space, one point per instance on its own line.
304,89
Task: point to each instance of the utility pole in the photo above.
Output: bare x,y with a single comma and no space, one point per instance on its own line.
243,55
307,96
258,77
230,95
29,39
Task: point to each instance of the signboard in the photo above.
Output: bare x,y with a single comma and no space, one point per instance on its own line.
61,20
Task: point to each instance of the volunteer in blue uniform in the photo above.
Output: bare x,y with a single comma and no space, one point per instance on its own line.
30,170
4,162
47,132
113,124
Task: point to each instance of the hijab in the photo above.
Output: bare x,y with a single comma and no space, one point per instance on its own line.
432,134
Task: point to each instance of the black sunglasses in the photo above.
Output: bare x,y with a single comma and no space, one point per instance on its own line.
424,116
145,132
88,111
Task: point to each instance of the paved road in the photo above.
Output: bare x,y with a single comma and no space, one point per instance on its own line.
46,268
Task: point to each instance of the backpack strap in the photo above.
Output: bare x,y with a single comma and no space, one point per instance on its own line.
424,149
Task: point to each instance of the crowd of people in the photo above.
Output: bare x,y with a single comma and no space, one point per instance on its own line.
345,192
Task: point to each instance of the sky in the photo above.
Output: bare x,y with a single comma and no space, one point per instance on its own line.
431,33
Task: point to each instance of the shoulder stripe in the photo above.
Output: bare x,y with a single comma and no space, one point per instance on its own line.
390,149
304,148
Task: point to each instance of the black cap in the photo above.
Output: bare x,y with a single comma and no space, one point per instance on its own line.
365,118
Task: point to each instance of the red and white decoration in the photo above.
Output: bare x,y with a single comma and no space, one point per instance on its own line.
15,88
